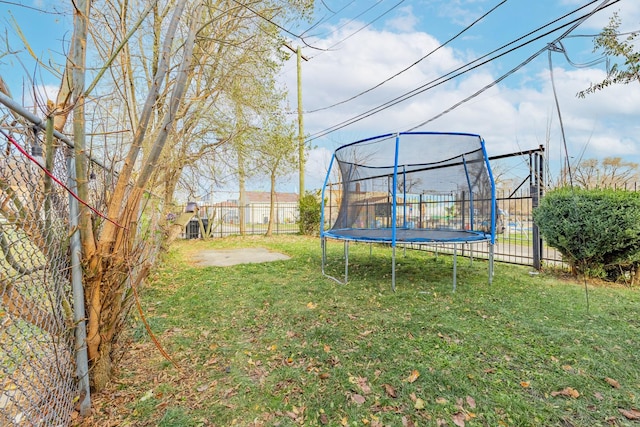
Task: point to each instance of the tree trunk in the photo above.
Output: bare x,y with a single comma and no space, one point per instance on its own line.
242,192
272,201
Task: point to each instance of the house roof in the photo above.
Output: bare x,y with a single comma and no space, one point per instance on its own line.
265,197
227,204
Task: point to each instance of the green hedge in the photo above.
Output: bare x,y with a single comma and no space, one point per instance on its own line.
310,214
597,231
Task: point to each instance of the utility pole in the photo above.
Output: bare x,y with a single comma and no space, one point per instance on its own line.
300,123
301,159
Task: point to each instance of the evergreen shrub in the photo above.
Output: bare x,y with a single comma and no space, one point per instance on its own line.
597,231
310,207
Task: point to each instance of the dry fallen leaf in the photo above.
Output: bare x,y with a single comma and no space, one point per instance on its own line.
568,392
391,392
471,402
413,376
525,384
632,414
407,422
598,395
459,419
324,420
363,384
358,398
613,383
441,401
311,305
419,404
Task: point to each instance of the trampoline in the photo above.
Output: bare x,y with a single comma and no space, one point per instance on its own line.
406,188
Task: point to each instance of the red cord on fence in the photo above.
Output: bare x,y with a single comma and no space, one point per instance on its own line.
50,175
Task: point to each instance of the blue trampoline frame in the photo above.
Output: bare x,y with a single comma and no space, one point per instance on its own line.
395,235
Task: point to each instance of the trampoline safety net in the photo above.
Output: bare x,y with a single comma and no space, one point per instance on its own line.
410,187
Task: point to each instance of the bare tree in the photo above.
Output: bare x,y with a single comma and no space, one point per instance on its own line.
172,76
610,172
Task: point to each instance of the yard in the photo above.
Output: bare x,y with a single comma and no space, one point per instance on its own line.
278,344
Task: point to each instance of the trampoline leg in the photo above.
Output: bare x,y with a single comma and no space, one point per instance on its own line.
324,252
346,261
490,263
455,265
393,268
471,254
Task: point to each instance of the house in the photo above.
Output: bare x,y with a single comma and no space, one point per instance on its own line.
256,208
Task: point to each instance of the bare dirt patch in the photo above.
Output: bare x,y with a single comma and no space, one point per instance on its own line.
229,257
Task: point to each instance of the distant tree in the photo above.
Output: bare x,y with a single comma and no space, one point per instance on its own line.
610,172
277,148
611,45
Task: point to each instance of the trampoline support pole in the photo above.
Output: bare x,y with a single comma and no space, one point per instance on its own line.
346,261
455,265
490,263
324,252
323,245
393,268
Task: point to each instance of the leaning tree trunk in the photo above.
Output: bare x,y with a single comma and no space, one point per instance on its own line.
117,252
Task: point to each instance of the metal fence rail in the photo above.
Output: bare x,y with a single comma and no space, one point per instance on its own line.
37,345
518,240
224,220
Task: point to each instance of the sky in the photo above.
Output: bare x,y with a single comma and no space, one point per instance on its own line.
346,58
365,54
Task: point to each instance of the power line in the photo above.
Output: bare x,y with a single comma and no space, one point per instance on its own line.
465,68
412,65
575,25
346,23
367,24
280,27
326,18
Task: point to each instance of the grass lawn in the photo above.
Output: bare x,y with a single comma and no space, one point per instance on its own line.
278,344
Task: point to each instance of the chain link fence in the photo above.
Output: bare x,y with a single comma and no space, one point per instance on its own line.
37,343
43,364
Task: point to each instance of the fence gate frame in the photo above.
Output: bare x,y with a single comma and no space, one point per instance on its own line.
535,180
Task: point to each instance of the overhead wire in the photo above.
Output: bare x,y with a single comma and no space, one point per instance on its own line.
275,24
434,83
457,72
366,25
549,47
350,20
325,19
412,65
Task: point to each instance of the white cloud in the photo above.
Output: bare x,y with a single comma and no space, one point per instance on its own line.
518,114
406,22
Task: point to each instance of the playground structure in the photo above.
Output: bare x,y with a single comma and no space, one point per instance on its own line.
421,188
